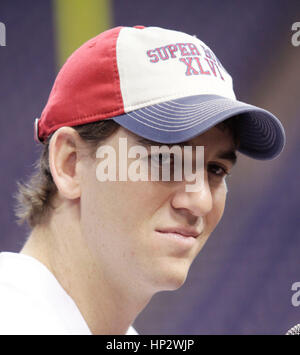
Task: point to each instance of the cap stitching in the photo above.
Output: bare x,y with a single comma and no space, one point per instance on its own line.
102,115
115,69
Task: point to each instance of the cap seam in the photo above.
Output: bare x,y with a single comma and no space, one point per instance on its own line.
115,70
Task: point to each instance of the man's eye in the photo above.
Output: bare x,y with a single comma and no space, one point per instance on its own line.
161,158
217,170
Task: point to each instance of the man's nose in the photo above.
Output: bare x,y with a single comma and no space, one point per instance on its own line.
197,203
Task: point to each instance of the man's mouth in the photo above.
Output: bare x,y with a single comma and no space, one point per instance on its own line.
181,231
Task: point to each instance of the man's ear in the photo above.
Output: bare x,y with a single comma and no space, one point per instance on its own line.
63,161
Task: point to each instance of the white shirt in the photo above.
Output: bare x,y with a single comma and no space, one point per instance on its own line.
32,301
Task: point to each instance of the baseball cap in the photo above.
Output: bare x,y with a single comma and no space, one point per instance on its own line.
164,85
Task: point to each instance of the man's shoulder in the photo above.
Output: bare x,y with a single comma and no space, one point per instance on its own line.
32,301
22,314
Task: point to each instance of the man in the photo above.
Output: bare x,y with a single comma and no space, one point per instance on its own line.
106,237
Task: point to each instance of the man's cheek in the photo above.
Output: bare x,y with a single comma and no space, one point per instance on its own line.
218,209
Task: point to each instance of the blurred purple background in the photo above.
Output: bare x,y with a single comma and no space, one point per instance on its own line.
241,281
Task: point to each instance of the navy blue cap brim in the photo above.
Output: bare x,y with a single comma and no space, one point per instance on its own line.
261,135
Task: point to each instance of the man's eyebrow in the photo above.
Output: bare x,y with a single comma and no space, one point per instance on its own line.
148,142
228,155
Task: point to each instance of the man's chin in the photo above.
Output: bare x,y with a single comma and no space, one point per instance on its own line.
172,279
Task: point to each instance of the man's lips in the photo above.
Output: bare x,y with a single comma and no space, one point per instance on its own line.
185,232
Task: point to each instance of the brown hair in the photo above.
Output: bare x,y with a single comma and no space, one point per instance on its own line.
33,199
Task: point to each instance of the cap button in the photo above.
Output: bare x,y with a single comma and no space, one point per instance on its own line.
139,27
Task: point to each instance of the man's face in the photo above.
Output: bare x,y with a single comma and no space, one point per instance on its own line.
146,234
